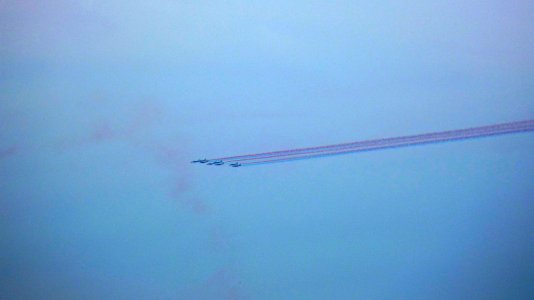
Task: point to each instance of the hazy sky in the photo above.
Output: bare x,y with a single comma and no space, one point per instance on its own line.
104,103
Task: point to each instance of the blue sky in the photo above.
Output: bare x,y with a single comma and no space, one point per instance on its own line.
104,103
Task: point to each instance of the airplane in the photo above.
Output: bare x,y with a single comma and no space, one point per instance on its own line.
235,165
202,161
219,163
216,162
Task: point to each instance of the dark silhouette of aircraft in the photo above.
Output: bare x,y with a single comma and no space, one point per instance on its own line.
202,161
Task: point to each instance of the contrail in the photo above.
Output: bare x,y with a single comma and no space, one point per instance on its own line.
412,140
370,142
444,136
382,146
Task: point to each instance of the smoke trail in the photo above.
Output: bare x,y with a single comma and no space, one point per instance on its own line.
456,134
386,141
405,141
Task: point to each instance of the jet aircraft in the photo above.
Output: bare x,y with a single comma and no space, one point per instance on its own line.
202,161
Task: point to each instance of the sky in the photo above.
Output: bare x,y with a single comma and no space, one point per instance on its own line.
103,104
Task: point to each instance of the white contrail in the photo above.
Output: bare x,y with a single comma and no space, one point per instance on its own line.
491,128
310,152
401,141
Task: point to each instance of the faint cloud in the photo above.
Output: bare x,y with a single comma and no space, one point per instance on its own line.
102,132
9,151
30,27
222,284
144,129
219,239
